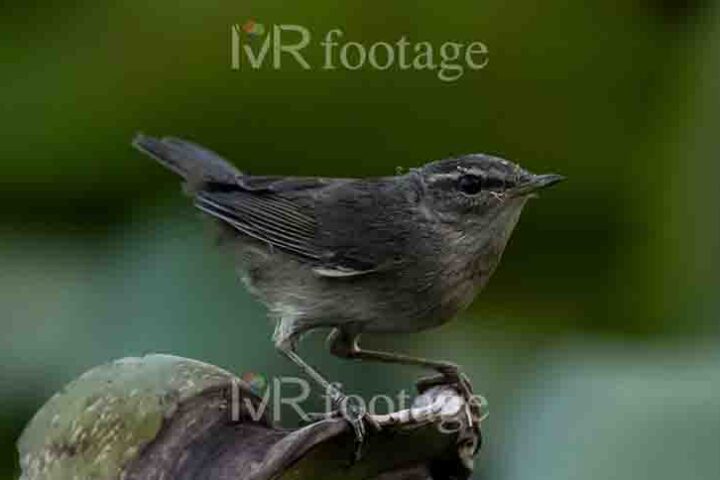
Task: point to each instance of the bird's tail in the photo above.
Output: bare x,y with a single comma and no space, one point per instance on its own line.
197,165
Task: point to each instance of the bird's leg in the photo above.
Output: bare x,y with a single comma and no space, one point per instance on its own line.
345,345
354,414
335,394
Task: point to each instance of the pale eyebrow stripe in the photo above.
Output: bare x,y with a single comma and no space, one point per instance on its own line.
473,171
436,177
457,174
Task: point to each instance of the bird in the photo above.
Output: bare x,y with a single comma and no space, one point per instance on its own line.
395,254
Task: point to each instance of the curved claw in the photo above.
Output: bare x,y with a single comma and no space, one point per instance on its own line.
359,420
453,376
358,426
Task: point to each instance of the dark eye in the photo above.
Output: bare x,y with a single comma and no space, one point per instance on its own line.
470,184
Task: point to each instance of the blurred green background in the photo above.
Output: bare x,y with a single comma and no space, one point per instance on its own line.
596,343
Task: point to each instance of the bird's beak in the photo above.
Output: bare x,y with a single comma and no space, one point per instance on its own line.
536,182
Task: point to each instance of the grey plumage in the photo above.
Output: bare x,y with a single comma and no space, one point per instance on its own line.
391,254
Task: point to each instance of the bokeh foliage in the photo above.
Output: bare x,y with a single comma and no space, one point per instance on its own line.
101,257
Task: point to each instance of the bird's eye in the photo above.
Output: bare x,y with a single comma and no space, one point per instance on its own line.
470,184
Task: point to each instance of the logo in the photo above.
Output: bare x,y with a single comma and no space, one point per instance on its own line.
255,46
251,27
258,383
292,393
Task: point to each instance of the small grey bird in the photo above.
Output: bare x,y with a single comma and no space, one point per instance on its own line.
381,255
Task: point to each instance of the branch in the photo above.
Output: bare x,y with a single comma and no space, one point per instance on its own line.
162,416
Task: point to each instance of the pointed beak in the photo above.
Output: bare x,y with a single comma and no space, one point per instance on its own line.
547,180
537,182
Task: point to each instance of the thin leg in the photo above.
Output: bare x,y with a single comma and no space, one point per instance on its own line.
356,417
335,394
345,345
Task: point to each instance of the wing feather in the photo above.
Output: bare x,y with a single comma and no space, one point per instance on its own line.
282,212
278,224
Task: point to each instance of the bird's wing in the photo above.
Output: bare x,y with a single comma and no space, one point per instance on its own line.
265,217
288,185
288,214
307,217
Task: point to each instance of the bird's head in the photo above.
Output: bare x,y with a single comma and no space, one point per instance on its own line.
480,196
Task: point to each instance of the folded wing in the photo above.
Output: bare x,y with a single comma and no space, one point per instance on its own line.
266,218
277,211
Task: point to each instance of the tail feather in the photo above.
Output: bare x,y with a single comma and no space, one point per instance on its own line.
197,165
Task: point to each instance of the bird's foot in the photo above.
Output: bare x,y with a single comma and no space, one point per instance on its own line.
354,412
450,374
